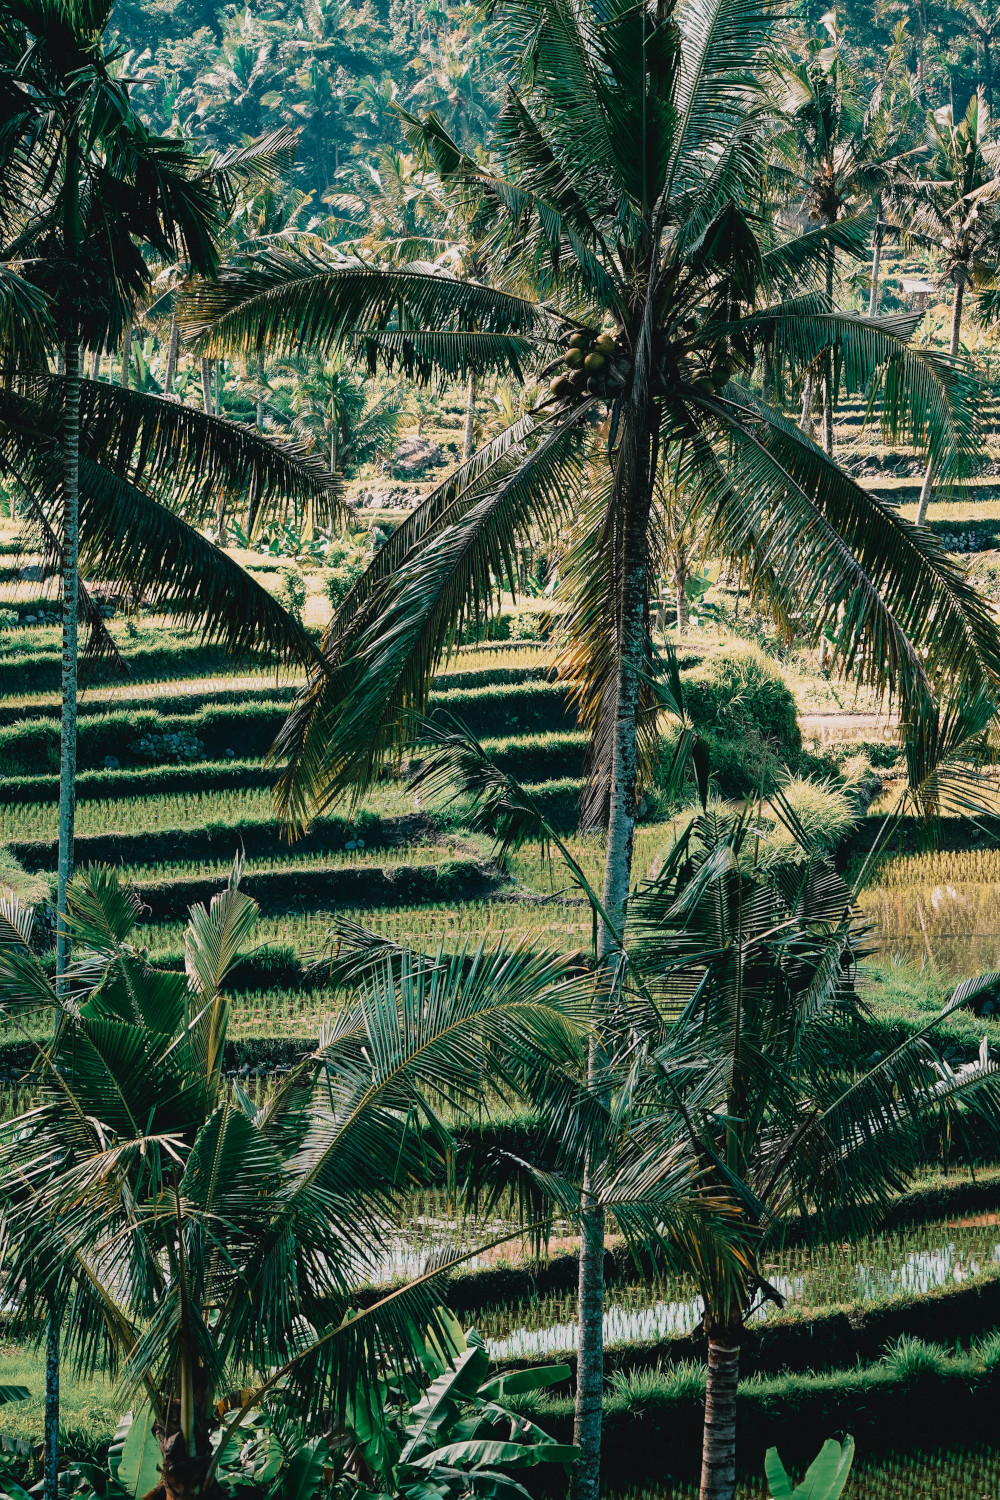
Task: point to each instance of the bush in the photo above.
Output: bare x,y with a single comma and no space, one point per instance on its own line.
247,728
168,749
740,691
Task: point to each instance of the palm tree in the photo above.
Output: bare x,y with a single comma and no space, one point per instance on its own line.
839,145
622,254
329,410
85,189
766,1062
950,206
748,1046
211,1247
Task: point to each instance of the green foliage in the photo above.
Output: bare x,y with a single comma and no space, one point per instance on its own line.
459,1435
139,1059
825,1478
740,691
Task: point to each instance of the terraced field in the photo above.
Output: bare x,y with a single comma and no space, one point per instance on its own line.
174,782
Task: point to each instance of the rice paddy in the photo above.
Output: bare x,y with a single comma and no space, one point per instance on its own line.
908,1263
965,1474
941,911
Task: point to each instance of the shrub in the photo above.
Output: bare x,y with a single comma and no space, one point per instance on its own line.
740,690
168,749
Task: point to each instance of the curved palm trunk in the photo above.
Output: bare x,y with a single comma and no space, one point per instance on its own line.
631,500
927,487
718,1454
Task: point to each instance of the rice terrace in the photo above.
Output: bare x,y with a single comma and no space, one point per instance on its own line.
499,750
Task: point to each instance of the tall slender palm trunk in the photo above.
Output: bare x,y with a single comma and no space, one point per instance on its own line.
68,728
828,369
718,1454
927,487
206,386
876,260
126,353
469,436
631,499
51,1416
173,347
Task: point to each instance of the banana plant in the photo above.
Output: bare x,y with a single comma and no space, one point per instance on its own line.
826,1477
459,1437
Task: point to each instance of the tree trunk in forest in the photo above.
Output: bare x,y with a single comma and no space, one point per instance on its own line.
206,386
469,436
126,353
95,368
876,260
956,333
70,568
718,1452
173,346
260,393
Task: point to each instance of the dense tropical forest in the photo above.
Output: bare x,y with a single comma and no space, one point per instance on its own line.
499,729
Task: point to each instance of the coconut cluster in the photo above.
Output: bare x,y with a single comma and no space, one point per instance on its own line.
594,363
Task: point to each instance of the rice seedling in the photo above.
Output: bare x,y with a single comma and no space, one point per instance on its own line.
400,854
38,820
554,924
965,1474
905,1263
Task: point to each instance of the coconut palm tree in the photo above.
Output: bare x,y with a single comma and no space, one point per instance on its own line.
839,148
950,205
87,195
211,1247
622,255
767,1061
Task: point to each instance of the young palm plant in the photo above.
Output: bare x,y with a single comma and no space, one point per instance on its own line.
622,251
209,1247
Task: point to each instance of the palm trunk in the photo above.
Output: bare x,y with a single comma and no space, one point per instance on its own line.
718,1453
173,346
260,393
333,449
67,740
680,582
876,260
51,1463
806,422
126,353
926,489
206,386
469,436
632,496
828,369
95,368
